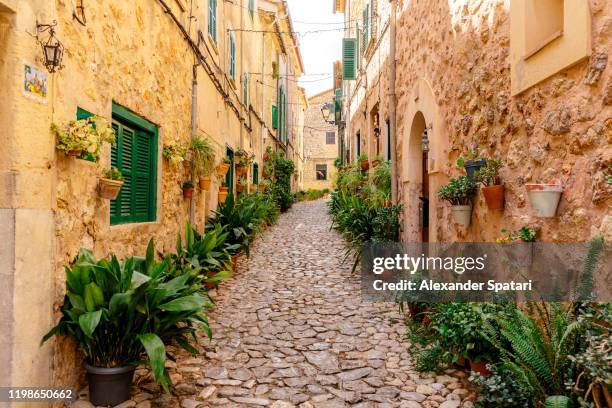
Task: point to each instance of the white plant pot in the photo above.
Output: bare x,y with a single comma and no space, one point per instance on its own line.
462,214
544,198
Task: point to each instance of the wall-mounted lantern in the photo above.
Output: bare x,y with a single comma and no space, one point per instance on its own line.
326,111
53,50
425,139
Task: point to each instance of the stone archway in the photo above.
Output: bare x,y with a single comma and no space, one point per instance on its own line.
421,173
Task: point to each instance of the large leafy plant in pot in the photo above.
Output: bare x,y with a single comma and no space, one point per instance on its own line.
459,192
124,313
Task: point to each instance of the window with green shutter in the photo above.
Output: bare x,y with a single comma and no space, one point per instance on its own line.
229,177
366,26
135,155
349,59
338,105
212,19
255,173
245,88
252,8
274,117
232,56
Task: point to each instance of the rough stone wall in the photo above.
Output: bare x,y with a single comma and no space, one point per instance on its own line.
559,130
317,151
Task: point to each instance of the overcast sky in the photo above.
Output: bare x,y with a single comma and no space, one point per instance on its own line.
319,50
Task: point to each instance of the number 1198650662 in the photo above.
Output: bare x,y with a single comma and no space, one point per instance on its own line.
36,394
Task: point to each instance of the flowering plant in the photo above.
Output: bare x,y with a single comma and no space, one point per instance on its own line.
113,174
174,152
84,135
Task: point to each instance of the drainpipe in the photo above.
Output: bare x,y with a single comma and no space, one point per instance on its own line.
242,73
263,98
194,104
392,104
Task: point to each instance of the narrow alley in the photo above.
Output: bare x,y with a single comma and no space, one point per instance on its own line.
290,330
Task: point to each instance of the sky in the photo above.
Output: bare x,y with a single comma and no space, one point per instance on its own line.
319,50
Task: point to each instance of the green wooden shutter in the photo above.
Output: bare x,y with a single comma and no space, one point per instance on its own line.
338,105
245,88
349,58
232,56
83,114
212,19
252,8
274,117
366,26
255,173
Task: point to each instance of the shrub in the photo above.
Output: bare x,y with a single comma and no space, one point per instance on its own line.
501,389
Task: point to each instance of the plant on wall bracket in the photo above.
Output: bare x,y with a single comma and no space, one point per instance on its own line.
83,135
174,152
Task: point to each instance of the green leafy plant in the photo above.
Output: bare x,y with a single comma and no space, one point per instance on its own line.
245,159
174,152
188,185
120,312
501,389
204,156
362,157
557,401
458,191
84,135
472,154
112,174
488,175
279,171
525,234
338,162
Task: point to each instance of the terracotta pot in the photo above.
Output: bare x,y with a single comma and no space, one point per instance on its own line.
462,214
544,198
365,165
266,157
222,169
240,170
74,153
494,196
205,183
239,188
223,192
480,367
109,189
252,188
375,163
188,192
262,186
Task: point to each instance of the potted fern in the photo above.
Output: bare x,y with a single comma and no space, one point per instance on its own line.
459,193
110,183
125,313
493,189
203,160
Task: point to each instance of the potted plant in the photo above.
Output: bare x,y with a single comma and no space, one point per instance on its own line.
223,192
244,160
83,136
110,183
459,193
122,314
363,162
267,154
188,189
241,185
472,164
174,152
493,189
375,162
203,160
223,167
544,198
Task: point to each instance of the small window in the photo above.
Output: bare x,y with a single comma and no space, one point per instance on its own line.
212,19
330,138
135,155
321,170
543,24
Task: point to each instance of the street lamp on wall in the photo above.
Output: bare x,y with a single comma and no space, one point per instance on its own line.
52,48
326,111
425,139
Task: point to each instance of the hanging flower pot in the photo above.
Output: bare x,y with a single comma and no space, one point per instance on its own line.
544,198
472,166
205,183
223,192
188,189
222,169
494,196
109,189
266,156
74,153
239,188
462,214
241,170
365,164
375,163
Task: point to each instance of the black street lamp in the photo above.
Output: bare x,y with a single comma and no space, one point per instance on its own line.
53,50
326,111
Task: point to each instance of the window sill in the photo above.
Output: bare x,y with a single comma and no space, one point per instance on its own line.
540,47
132,225
212,43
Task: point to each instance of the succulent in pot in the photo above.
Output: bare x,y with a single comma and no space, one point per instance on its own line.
125,313
188,189
459,192
83,136
363,162
110,183
493,189
544,198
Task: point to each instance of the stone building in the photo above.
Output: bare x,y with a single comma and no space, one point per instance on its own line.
154,68
320,145
526,81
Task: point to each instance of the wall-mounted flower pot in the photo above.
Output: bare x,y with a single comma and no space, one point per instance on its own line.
240,170
262,187
222,169
187,192
266,156
365,165
544,198
205,183
74,153
494,197
462,214
109,189
472,166
109,386
239,188
252,187
375,163
223,192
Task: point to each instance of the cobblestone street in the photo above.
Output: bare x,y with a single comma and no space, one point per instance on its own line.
290,330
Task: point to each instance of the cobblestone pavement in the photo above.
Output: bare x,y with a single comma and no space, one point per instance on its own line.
290,330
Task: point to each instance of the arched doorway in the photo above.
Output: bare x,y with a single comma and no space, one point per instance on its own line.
419,189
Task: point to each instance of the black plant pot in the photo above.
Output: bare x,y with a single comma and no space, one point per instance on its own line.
109,386
472,166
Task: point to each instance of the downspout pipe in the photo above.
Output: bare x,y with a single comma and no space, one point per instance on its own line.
194,105
392,103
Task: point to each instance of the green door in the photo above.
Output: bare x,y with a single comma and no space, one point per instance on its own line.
229,178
